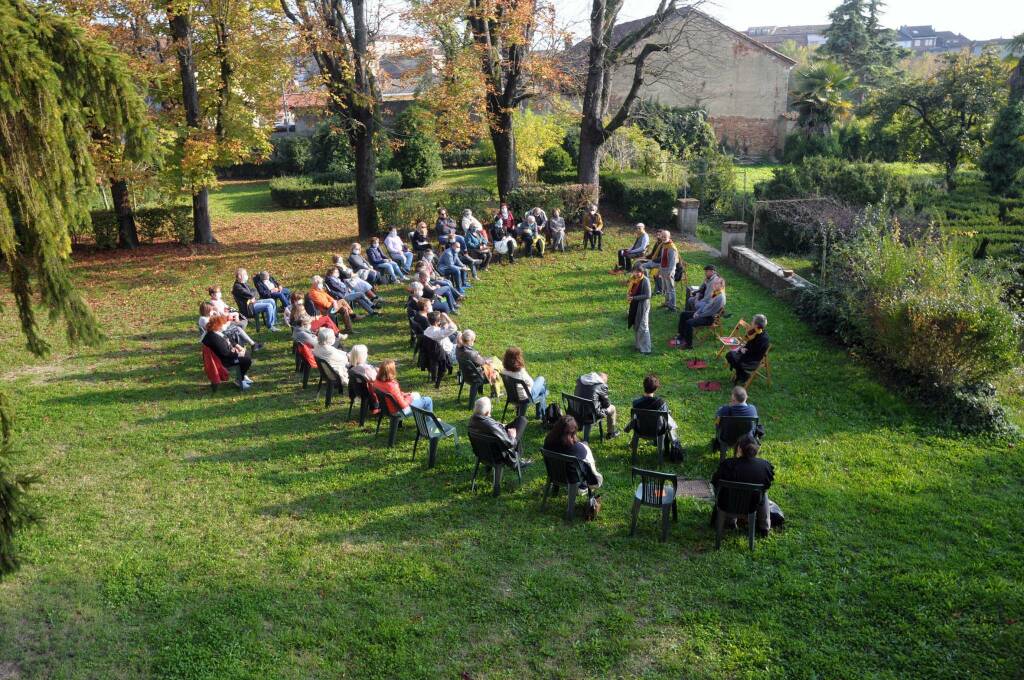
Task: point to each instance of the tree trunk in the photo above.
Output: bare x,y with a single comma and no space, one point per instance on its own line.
952,161
366,172
127,234
504,153
589,165
181,32
226,71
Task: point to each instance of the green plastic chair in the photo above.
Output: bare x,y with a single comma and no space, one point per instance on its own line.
431,428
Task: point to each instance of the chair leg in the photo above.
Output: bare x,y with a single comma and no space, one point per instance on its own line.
675,512
636,511
586,433
319,384
415,444
547,492
433,453
633,445
476,469
380,416
351,402
719,527
665,510
393,432
570,507
474,390
330,394
751,526
498,470
504,411
305,376
660,443
459,397
364,410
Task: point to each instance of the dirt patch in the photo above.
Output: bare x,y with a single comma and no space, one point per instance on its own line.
9,671
38,374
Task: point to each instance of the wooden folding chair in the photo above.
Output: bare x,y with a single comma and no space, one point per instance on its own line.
766,365
715,329
732,334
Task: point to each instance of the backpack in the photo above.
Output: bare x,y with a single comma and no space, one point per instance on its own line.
675,452
677,275
552,414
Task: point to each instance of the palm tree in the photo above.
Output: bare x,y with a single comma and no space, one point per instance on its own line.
821,96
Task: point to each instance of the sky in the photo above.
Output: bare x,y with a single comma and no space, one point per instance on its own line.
977,19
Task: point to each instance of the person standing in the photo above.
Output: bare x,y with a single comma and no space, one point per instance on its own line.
667,263
639,297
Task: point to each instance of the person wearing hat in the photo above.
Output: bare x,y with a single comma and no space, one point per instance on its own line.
702,293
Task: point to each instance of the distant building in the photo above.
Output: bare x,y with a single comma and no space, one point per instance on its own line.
774,36
742,83
917,38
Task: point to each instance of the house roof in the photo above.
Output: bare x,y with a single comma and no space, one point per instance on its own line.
789,30
316,99
917,31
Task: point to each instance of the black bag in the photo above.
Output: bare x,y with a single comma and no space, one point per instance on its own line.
552,414
677,275
675,452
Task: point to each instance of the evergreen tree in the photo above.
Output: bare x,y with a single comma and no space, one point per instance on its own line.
1003,158
856,40
418,157
57,85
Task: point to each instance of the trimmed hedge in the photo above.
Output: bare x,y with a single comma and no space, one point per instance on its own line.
404,207
571,199
158,222
304,192
641,199
853,183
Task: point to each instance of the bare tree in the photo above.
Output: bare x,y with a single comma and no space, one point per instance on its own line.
607,54
338,35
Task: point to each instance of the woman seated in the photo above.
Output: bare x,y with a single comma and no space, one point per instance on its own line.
383,263
398,251
476,243
233,331
298,310
387,382
421,238
358,365
222,309
325,304
562,438
442,330
361,267
491,368
556,231
501,237
302,331
228,353
328,352
514,366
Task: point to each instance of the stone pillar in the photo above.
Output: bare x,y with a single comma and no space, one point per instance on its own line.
733,234
686,216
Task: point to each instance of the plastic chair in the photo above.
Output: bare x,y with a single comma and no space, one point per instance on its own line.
431,428
358,389
650,426
737,499
471,374
656,490
512,395
563,470
730,430
586,414
245,307
304,361
328,376
434,358
388,404
492,453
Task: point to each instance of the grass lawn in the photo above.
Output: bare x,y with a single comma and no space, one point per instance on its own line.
473,177
190,534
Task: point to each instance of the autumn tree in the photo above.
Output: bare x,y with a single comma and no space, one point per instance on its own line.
338,35
58,85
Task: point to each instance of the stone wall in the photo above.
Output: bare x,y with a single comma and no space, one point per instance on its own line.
750,136
765,271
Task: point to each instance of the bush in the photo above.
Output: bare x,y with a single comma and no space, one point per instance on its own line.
640,198
854,183
800,145
713,183
104,228
481,153
1003,158
173,222
556,164
405,207
419,156
330,149
683,132
571,199
571,143
304,192
557,177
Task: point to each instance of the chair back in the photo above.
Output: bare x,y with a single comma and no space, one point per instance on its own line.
326,372
738,498
563,468
653,483
214,367
309,306
583,410
427,424
306,353
357,386
242,304
471,373
732,428
649,424
511,389
387,402
488,450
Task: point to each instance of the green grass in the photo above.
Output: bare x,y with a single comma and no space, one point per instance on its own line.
196,535
749,175
484,177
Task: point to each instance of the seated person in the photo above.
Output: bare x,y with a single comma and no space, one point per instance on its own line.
362,268
359,285
563,438
342,289
504,242
221,308
450,266
650,402
429,256
387,382
269,289
444,227
529,236
491,368
748,469
420,238
245,293
302,330
325,304
468,222
398,251
703,292
737,408
437,292
412,303
593,229
556,231
328,352
382,262
704,314
514,366
442,330
228,353
635,251
233,331
511,435
477,245
505,219
539,217
319,320
747,358
594,388
358,365
464,257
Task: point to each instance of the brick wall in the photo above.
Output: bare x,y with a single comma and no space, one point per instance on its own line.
749,136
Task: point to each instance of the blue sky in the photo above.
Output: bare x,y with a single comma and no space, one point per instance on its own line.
977,19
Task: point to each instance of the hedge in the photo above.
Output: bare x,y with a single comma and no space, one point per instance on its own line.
303,192
158,222
571,199
404,207
853,183
641,199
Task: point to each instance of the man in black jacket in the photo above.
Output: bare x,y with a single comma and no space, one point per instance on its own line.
511,435
747,358
249,301
270,289
594,388
749,469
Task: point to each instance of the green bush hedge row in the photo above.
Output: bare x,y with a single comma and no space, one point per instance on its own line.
853,183
404,207
304,192
571,199
640,199
153,223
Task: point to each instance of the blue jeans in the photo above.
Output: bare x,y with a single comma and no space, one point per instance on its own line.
268,308
359,299
285,297
424,403
404,260
389,269
456,276
539,394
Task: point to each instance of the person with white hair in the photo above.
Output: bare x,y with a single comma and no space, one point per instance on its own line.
490,368
635,251
668,260
744,360
246,295
412,302
529,235
476,241
556,231
328,352
362,268
398,251
539,216
511,435
593,229
344,290
358,364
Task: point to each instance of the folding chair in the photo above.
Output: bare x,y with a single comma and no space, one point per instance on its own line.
766,365
732,335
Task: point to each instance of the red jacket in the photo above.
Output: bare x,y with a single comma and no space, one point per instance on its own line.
403,399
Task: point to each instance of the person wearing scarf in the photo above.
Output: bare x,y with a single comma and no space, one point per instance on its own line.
639,296
593,229
668,260
747,358
703,315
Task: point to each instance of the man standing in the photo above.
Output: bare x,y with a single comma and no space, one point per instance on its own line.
594,388
511,435
667,262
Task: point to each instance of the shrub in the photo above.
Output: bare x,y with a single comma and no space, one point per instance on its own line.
403,208
801,145
173,222
571,143
640,198
556,165
854,183
629,149
535,133
683,132
104,228
1003,158
304,192
557,177
419,156
713,182
481,153
291,154
330,149
571,199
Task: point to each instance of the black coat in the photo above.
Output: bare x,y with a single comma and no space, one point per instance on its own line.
756,349
642,293
222,348
746,470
